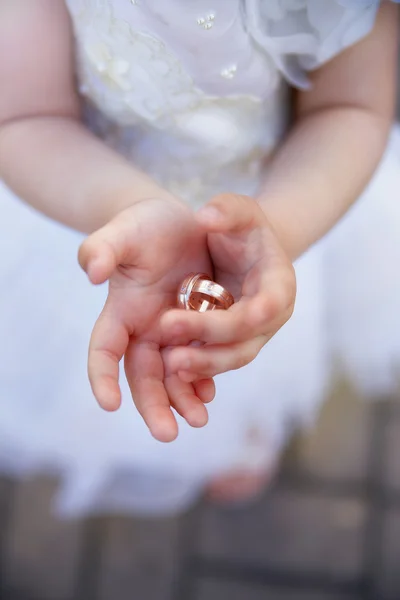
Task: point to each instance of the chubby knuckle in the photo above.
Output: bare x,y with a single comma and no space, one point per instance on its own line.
276,304
285,297
206,364
240,328
266,309
243,357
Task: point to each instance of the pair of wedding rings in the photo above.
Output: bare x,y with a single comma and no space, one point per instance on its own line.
198,292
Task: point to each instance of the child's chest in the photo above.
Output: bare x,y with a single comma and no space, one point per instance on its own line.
150,60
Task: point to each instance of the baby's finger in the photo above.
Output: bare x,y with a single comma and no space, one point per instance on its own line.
185,401
179,327
210,361
145,374
107,346
205,390
243,321
102,252
230,213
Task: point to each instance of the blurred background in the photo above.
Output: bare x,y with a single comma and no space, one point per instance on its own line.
327,529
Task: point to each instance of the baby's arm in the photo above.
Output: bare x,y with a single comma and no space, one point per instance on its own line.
46,155
340,135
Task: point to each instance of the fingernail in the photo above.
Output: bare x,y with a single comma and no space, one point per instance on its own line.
209,213
93,270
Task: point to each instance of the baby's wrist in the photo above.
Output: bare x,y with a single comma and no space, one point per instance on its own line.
277,224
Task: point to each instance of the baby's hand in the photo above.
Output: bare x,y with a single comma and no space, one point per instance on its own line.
145,252
249,261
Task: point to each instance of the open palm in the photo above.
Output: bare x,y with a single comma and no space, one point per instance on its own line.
145,253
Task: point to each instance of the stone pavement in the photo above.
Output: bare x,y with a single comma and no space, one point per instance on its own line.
329,529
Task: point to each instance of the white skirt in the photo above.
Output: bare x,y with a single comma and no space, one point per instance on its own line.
348,307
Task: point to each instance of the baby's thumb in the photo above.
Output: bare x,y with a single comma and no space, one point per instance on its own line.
102,252
229,213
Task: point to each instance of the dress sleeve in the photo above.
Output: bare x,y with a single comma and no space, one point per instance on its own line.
301,35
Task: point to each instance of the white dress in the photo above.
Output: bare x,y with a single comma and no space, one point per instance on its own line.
195,94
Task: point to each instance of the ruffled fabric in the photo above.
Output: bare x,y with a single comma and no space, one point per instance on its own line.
301,35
